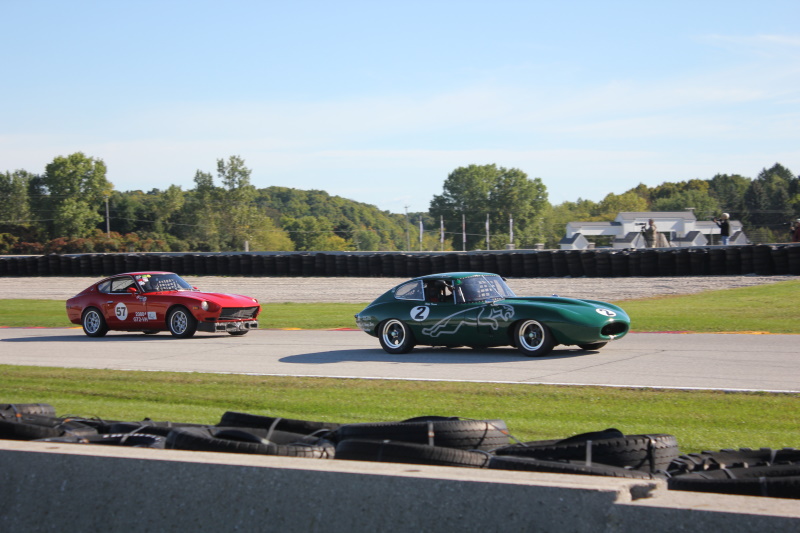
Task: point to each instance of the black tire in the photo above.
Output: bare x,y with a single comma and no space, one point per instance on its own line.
305,427
462,434
395,336
533,338
10,410
239,333
777,481
136,440
33,427
181,322
744,457
149,427
385,451
592,346
93,322
642,452
529,464
213,439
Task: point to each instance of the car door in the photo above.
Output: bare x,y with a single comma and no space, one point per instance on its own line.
441,319
124,306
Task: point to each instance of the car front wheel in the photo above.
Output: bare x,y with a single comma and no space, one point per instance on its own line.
181,323
395,337
533,339
94,325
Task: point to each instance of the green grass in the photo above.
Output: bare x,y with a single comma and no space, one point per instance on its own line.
701,420
770,308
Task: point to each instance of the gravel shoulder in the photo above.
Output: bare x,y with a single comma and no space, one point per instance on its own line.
362,290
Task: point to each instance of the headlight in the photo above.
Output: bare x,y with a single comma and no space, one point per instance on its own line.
204,306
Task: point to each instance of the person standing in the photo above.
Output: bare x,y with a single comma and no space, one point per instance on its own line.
796,231
724,227
650,231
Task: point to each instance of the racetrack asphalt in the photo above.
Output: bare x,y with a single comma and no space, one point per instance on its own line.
733,362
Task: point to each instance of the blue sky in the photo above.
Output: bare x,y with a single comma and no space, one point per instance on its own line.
380,101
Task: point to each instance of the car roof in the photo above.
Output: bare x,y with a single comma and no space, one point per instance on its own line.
455,275
141,273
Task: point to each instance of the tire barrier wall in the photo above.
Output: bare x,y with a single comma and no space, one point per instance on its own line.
760,259
252,473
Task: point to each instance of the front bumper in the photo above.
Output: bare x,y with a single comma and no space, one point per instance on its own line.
224,327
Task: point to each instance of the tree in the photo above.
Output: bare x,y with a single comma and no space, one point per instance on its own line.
14,205
613,204
705,206
311,233
241,216
77,187
477,191
729,191
163,205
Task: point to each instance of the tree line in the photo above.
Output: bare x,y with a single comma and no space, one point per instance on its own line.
72,208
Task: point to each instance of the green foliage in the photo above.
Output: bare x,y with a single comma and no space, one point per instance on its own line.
477,192
14,204
77,186
66,204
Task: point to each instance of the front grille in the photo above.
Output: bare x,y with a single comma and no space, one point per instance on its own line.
237,313
614,329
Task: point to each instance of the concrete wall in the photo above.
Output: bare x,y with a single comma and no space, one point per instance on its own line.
59,487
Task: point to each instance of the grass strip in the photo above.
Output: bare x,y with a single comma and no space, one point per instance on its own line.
769,308
701,420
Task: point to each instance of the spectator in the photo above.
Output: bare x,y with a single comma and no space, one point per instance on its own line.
724,227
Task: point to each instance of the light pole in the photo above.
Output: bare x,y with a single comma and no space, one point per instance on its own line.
108,222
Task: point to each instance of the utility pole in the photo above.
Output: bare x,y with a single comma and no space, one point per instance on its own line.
108,222
408,237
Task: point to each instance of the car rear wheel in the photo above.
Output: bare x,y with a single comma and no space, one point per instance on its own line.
94,325
395,337
533,338
592,346
181,323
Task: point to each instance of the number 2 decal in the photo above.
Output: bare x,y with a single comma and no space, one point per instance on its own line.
420,313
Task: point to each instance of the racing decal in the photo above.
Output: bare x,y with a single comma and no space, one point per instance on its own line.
121,310
606,312
488,315
144,316
420,313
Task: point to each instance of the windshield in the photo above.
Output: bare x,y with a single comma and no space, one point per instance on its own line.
484,288
162,282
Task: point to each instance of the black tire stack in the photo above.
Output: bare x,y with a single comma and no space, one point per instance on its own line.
431,440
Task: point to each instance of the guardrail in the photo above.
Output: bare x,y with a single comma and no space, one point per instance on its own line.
761,259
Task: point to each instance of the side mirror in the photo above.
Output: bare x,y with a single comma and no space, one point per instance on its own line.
132,290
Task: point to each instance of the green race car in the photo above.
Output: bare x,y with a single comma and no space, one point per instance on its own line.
479,310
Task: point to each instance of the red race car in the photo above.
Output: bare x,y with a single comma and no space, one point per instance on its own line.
159,301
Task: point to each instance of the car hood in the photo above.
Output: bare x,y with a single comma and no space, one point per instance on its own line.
222,299
572,304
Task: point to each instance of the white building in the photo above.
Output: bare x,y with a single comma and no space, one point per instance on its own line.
681,228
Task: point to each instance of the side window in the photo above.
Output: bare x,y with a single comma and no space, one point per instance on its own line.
410,291
120,285
104,287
